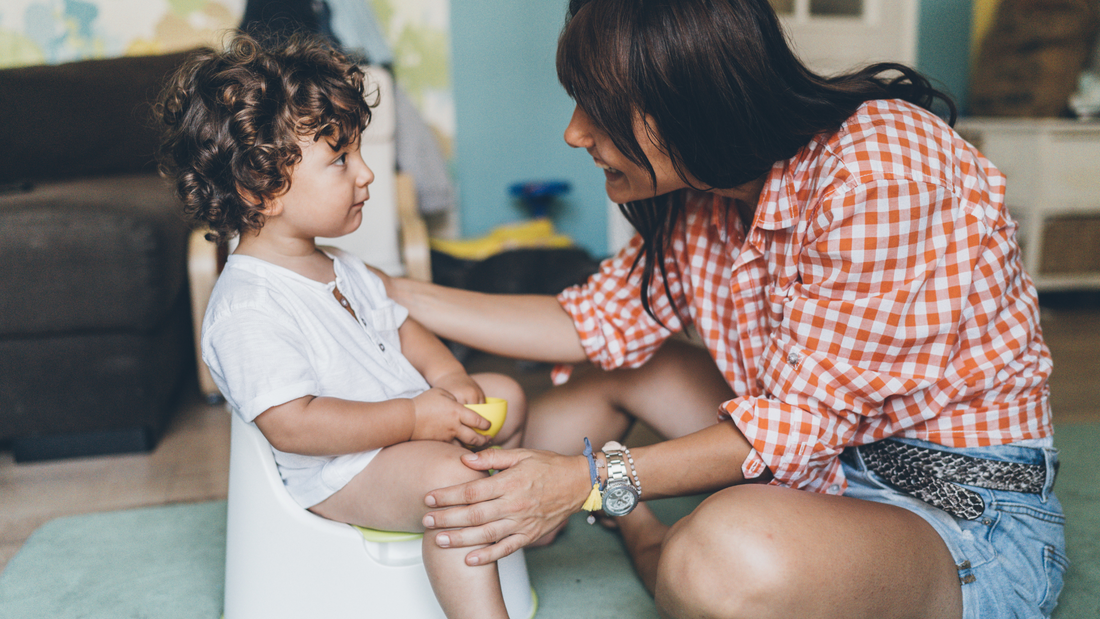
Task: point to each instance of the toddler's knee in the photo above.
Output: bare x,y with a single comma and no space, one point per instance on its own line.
450,471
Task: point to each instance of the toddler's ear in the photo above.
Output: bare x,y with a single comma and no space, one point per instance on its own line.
271,208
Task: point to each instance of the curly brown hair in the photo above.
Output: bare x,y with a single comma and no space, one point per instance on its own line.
233,120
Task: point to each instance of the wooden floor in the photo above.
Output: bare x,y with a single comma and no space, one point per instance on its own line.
191,462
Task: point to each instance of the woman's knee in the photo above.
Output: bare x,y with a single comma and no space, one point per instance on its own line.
508,389
724,560
502,386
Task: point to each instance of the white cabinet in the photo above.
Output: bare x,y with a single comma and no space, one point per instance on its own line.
1053,171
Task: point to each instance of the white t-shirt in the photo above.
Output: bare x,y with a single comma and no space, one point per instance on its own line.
271,336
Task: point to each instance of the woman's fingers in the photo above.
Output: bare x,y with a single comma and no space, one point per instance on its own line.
474,535
499,538
470,493
497,551
532,493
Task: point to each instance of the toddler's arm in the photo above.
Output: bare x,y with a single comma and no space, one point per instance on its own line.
324,426
436,364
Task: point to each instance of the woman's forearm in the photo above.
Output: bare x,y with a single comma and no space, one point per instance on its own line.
522,326
533,491
704,461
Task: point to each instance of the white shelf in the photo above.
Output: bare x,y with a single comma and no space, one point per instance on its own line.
1053,169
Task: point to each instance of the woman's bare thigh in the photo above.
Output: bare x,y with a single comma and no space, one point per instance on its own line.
676,392
766,551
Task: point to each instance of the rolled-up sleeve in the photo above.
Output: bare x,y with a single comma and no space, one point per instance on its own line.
614,328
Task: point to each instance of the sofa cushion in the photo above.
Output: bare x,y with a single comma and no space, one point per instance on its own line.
81,118
94,382
91,255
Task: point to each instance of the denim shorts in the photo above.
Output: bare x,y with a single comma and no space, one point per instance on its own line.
1012,559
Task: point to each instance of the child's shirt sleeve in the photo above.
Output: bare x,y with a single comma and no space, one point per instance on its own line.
257,359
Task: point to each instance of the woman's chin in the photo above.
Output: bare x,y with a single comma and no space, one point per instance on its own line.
618,190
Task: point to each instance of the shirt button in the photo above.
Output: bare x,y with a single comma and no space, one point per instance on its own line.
793,359
834,489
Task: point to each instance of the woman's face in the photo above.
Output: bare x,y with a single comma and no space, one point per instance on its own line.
625,180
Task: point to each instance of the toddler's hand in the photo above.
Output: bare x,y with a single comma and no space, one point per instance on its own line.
462,387
440,417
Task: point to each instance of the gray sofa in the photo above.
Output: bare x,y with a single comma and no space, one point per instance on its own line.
95,326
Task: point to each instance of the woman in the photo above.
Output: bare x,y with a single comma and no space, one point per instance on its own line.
869,405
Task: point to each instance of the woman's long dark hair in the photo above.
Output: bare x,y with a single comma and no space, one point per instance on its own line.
727,96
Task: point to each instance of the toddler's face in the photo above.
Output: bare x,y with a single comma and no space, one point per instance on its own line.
327,192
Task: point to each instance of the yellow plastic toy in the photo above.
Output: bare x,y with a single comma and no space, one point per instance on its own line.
495,410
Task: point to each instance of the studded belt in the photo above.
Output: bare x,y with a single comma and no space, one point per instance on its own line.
934,476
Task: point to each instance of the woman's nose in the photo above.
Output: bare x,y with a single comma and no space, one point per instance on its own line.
578,133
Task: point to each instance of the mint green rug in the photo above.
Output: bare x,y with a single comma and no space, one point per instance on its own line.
168,562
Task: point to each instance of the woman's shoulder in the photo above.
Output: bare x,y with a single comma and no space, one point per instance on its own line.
893,121
890,140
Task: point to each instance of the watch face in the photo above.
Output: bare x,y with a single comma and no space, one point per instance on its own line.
620,500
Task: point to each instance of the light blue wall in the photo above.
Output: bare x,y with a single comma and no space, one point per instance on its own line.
511,111
943,45
510,116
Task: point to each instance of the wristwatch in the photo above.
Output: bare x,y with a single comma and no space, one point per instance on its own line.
620,497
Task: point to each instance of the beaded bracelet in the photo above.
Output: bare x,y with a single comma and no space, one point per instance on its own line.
594,502
633,471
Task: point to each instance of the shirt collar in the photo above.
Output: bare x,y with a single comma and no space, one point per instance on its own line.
777,208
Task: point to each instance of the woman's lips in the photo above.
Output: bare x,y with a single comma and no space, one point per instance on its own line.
603,166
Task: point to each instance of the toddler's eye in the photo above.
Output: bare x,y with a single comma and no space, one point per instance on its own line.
342,159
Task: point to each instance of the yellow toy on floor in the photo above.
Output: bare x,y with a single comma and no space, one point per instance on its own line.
533,233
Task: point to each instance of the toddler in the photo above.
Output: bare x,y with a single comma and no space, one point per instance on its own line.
362,405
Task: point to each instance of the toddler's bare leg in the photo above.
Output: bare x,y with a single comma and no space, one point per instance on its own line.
389,495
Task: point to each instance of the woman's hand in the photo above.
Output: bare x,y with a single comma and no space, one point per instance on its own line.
461,386
440,417
532,493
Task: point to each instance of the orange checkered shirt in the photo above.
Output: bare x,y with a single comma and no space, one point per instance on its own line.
879,292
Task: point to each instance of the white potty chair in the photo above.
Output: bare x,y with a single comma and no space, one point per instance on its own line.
284,561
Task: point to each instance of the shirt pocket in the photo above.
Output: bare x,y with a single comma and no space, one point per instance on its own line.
385,323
